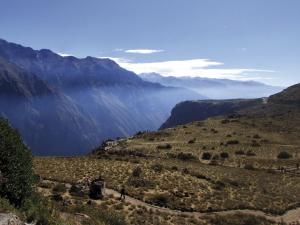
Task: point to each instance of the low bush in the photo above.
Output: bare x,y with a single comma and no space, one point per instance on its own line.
59,188
157,168
206,156
164,146
40,211
216,157
76,190
284,155
232,142
57,197
161,200
185,171
219,185
186,156
224,155
174,168
255,143
137,172
240,152
192,141
249,167
45,185
250,153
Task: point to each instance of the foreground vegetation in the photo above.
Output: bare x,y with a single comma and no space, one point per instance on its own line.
18,191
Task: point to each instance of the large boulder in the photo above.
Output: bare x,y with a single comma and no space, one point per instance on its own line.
96,188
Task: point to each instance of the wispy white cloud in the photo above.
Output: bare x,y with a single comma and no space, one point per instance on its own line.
120,61
192,68
143,51
63,54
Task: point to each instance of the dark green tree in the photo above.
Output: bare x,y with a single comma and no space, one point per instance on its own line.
15,165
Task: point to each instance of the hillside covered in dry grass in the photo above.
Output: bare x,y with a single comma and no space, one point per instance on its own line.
248,160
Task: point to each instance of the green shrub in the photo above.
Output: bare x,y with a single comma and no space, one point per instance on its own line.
185,171
206,156
57,197
174,168
5,206
15,165
284,155
137,172
250,153
232,142
164,146
215,157
186,156
192,141
157,168
240,152
249,167
76,190
45,185
255,143
161,200
39,210
60,188
219,185
224,155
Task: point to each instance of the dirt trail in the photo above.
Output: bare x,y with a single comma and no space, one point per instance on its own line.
290,217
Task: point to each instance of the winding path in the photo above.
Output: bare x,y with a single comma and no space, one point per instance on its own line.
289,217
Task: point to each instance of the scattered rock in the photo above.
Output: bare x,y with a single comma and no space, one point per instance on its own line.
9,219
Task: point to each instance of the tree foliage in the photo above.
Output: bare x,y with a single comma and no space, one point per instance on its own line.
15,165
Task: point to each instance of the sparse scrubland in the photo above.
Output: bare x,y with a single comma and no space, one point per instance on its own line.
218,165
236,169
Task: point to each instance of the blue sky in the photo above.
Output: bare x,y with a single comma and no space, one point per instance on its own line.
238,39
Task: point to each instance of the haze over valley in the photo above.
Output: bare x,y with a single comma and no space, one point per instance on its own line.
149,112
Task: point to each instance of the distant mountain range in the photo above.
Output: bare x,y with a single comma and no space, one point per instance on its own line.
215,88
67,105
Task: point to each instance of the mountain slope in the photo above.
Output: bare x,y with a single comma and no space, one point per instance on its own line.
91,100
39,112
215,88
189,111
277,104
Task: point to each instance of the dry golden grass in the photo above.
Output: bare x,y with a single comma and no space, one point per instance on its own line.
173,174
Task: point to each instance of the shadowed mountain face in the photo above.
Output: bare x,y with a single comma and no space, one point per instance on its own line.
189,111
39,113
215,88
283,103
66,105
290,96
